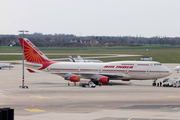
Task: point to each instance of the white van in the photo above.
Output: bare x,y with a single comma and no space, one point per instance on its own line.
167,82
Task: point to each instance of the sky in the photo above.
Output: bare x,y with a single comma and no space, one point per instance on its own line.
147,18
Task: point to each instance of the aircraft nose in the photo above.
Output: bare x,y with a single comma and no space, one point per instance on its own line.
176,68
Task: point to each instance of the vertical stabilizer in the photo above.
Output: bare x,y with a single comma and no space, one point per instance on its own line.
32,53
79,57
71,59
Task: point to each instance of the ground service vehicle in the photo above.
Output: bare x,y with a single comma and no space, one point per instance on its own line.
167,82
89,84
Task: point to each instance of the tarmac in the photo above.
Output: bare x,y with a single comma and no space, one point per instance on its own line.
49,97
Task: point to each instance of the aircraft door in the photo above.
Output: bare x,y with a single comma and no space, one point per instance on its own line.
78,69
126,71
100,70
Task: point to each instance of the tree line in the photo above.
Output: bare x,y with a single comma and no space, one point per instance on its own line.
66,40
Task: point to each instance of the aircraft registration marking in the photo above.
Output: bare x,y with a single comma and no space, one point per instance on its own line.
39,96
35,110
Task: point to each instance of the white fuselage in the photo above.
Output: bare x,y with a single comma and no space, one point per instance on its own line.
177,68
6,65
121,70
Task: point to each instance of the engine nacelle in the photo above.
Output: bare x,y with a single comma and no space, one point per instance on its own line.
104,79
74,78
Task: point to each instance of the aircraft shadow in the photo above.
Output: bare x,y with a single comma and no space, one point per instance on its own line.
116,84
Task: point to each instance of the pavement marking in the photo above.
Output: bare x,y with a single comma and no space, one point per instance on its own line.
39,96
159,115
35,110
133,117
173,96
102,96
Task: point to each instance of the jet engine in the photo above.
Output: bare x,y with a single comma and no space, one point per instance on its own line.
74,78
104,79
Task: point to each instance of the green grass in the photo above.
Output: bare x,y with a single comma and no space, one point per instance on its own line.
163,54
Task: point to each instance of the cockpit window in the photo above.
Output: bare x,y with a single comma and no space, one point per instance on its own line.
159,64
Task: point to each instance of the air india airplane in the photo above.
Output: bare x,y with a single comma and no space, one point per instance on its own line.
96,72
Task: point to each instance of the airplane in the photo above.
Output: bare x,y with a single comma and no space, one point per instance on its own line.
177,68
81,60
6,65
96,72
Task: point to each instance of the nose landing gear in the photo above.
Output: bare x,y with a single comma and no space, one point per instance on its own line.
154,82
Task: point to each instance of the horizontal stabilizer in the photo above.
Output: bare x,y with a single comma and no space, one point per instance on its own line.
31,71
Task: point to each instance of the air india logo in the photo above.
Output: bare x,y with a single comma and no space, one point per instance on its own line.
109,66
32,54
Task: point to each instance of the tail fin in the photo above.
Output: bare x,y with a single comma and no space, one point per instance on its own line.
79,57
32,53
71,59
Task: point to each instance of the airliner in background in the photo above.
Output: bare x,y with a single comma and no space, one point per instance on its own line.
177,68
6,65
96,72
82,60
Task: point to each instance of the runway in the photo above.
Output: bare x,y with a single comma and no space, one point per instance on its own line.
50,98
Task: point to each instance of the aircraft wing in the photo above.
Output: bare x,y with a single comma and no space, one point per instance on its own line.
92,75
86,75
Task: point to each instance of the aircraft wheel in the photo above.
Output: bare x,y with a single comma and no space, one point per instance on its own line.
96,82
153,84
83,85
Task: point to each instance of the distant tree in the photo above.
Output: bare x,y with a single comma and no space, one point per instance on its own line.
140,42
47,38
163,42
155,41
178,42
132,42
149,42
173,42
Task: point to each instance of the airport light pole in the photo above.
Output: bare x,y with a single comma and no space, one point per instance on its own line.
23,31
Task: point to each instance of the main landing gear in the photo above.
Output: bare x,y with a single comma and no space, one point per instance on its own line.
154,82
